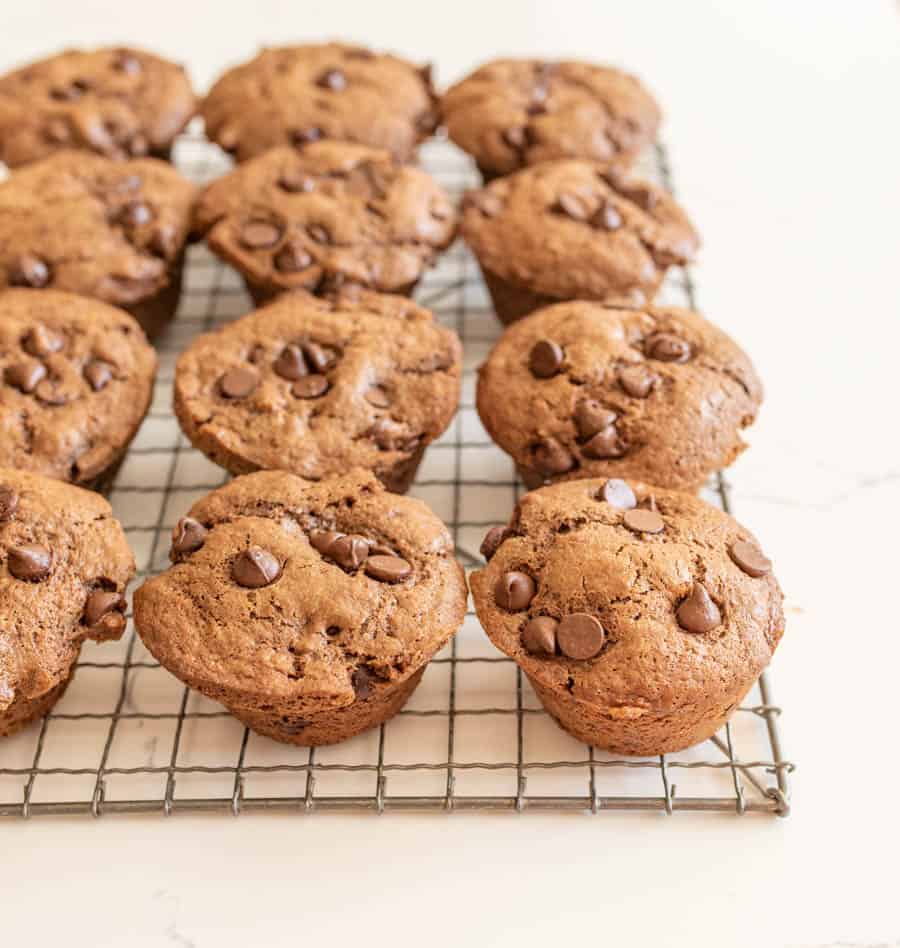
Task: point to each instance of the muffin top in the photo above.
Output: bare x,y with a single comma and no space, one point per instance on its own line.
629,597
294,95
118,102
95,226
328,213
65,565
579,390
515,112
319,386
302,594
569,229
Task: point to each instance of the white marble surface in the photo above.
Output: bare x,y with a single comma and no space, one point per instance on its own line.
782,122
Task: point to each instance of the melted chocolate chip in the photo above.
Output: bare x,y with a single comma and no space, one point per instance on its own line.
491,542
637,380
617,493
25,376
514,591
292,258
574,206
643,521
41,342
98,374
545,359
319,233
362,682
9,503
321,540
311,386
135,214
515,137
377,397
698,613
100,603
260,235
580,636
349,552
255,568
318,357
187,537
666,347
539,636
290,364
388,569
592,417
303,136
127,63
332,79
606,217
750,558
30,562
295,181
604,445
238,382
550,457
30,270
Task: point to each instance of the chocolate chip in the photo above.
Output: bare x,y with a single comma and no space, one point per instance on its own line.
491,542
698,613
551,457
311,386
332,79
321,540
238,383
127,63
25,376
292,258
535,109
574,206
255,568
388,569
591,417
187,537
514,591
485,201
41,342
100,603
260,235
362,682
30,562
98,374
58,131
295,181
349,552
637,380
50,393
750,558
607,217
9,502
318,357
163,241
604,445
319,234
666,347
641,194
539,636
31,271
515,137
69,93
545,359
290,364
304,136
580,636
643,521
617,493
135,214
377,397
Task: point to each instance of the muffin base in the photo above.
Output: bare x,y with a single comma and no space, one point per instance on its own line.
155,312
264,294
635,732
25,710
331,727
533,480
512,302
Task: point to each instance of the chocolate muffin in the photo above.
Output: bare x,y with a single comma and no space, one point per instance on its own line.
117,102
113,230
656,394
320,386
566,230
515,112
294,95
330,214
309,610
642,617
64,566
77,378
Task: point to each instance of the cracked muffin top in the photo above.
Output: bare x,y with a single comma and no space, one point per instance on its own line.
515,112
329,213
578,390
64,566
117,102
294,95
572,229
108,229
77,378
296,595
629,597
319,386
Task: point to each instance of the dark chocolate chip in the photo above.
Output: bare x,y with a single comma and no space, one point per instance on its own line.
260,235
321,540
539,636
580,636
545,359
550,457
187,537
514,591
574,206
100,603
296,181
750,558
666,347
25,376
98,374
318,233
378,397
311,386
30,562
362,682
592,417
9,502
41,342
491,542
332,79
163,241
255,568
349,552
606,217
617,493
135,214
698,613
637,380
643,521
318,357
127,63
604,445
238,382
304,136
290,364
387,569
515,137
292,258
30,270
535,109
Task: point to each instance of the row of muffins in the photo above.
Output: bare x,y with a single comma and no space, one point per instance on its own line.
348,589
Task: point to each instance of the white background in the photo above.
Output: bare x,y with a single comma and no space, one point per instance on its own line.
783,124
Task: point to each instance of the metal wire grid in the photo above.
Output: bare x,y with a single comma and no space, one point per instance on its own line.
128,737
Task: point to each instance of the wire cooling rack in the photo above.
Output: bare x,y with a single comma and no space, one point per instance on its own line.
128,737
